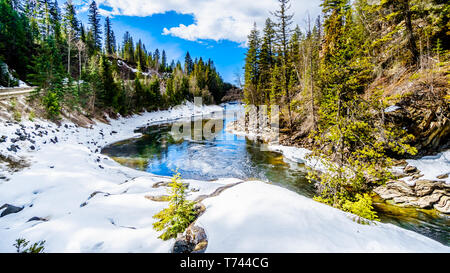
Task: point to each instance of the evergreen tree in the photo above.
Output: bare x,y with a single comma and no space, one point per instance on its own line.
188,64
252,69
283,32
156,58
163,61
71,30
94,21
266,60
180,213
109,40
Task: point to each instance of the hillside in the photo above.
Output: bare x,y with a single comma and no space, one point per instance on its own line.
364,87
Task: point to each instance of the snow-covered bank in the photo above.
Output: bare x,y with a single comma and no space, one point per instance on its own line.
258,217
82,201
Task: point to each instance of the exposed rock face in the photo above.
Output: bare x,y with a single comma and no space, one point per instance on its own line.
425,115
425,194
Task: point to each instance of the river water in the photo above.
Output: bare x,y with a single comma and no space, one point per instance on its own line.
160,152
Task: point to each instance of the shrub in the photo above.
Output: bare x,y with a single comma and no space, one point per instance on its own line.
51,103
17,116
361,207
32,115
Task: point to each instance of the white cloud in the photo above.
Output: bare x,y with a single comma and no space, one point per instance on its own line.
213,19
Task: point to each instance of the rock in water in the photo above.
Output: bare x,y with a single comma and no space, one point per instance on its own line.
9,209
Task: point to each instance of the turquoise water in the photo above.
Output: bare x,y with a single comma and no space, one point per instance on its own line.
228,155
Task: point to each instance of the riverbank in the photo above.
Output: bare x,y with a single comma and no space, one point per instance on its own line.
79,200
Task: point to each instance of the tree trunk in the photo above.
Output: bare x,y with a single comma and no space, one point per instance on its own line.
409,32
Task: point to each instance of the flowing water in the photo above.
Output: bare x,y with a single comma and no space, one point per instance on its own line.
160,152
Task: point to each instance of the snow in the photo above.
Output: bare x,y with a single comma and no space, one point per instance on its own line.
93,204
134,70
258,217
392,108
433,166
299,155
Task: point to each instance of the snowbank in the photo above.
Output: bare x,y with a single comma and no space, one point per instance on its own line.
258,217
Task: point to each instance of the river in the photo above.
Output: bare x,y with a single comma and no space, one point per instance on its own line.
159,152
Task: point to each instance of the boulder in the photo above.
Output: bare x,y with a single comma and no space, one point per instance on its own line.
443,205
196,234
35,218
425,187
400,186
199,208
427,202
387,193
442,176
200,247
406,201
182,245
9,209
410,169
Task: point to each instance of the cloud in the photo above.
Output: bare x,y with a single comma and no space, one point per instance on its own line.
213,19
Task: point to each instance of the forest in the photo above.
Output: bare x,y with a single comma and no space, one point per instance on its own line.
334,81
86,68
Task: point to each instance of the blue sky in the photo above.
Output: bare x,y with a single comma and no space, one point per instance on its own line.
215,29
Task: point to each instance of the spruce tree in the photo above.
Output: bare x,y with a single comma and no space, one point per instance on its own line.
252,69
188,64
94,21
283,32
109,46
266,60
163,61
